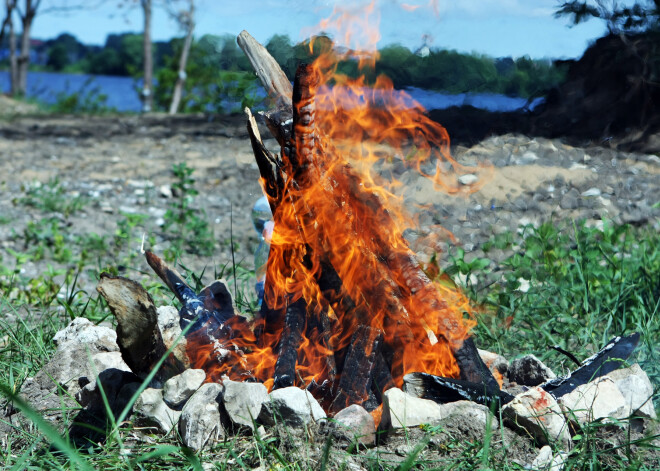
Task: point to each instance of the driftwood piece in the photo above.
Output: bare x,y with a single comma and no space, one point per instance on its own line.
138,336
267,69
608,359
290,340
443,390
358,370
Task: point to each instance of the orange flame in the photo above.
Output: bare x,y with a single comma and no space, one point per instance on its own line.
340,216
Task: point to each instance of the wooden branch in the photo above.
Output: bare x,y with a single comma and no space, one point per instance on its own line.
290,340
266,162
268,70
138,336
358,371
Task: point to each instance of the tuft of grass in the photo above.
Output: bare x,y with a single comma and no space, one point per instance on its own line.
51,197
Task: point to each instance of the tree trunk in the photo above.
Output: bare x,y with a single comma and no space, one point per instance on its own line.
147,91
13,64
24,58
183,60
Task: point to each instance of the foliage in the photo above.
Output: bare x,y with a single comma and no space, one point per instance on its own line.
51,197
189,227
572,286
217,80
619,17
88,99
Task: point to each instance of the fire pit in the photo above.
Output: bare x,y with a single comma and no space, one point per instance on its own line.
349,317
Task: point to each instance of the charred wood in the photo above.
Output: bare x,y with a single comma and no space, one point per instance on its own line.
290,340
606,360
357,373
473,368
443,390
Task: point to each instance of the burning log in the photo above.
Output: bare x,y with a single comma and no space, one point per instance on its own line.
138,336
445,390
358,370
290,340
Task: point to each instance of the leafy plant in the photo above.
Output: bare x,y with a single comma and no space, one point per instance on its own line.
88,99
51,197
187,224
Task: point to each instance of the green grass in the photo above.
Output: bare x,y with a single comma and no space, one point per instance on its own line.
585,286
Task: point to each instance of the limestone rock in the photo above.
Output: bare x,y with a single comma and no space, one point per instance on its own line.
82,331
293,406
468,179
469,411
636,388
179,388
529,371
546,461
200,422
152,410
537,412
243,402
497,364
354,423
595,400
170,331
403,410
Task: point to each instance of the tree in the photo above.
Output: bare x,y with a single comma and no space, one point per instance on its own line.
640,16
147,91
8,25
186,20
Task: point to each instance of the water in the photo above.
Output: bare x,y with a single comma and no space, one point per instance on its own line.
122,92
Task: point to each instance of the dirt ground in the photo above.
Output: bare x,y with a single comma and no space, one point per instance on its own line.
119,165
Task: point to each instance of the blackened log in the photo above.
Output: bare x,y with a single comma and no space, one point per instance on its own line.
472,367
358,370
444,390
606,360
290,340
266,162
382,377
209,311
138,335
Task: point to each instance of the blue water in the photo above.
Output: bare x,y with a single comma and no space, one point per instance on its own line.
122,92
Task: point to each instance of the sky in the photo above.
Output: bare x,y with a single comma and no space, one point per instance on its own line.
496,28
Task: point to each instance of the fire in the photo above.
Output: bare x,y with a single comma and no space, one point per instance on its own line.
337,249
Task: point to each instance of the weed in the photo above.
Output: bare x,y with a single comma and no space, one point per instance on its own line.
51,197
188,226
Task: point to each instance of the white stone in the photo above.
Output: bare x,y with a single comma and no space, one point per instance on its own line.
152,410
200,422
469,411
468,179
496,363
403,410
598,399
293,406
170,331
537,412
106,360
591,192
546,461
83,331
355,423
636,388
179,388
243,401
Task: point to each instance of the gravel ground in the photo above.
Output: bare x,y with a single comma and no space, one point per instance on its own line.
123,165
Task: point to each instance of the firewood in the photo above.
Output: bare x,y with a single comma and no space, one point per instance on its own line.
358,369
443,390
138,336
608,359
473,368
290,340
266,162
272,77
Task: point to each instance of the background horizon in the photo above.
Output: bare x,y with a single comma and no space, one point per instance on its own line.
507,28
